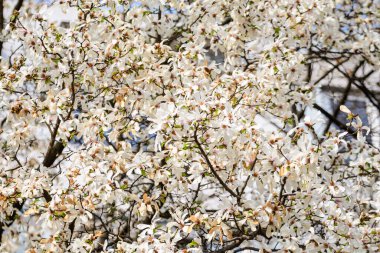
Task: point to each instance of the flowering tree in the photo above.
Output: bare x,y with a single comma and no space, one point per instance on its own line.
122,133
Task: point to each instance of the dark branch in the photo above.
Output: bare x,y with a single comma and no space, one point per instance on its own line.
205,156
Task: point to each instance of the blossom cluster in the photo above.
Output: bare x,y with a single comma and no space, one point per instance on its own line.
124,133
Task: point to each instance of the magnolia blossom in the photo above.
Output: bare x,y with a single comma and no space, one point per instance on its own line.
187,126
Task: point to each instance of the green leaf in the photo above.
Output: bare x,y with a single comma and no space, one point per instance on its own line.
193,244
277,31
59,214
145,13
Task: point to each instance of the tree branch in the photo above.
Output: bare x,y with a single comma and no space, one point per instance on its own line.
225,186
55,147
334,120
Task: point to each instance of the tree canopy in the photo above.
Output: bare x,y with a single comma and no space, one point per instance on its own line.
139,127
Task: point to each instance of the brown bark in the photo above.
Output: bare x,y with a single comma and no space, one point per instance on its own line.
55,147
